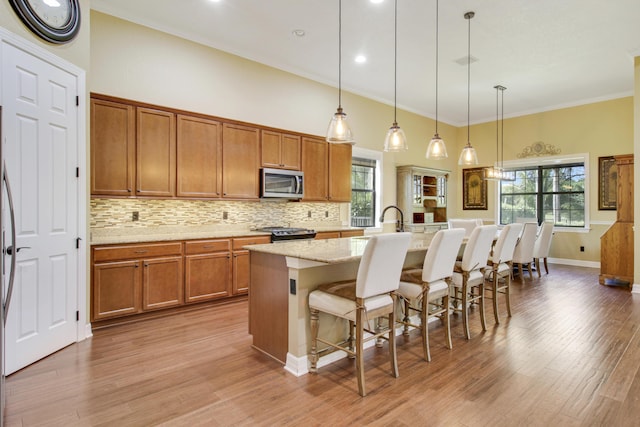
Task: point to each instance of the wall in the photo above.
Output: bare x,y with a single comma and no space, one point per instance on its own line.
132,61
600,129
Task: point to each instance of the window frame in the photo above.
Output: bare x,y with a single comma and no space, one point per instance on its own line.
376,156
553,161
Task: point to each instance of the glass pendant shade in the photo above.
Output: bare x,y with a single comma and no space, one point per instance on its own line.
395,139
437,149
493,173
339,130
468,156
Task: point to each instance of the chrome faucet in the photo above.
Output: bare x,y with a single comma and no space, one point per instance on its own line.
399,223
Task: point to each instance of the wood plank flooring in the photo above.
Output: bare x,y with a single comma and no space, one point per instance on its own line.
569,356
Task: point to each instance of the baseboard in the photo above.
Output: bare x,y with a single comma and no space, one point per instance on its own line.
574,262
88,333
635,289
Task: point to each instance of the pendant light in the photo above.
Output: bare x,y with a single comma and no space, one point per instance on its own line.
339,130
437,149
395,140
468,155
494,173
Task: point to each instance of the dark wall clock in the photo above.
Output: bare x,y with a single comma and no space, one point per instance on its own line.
56,21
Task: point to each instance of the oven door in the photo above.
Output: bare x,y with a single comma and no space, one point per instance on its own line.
282,184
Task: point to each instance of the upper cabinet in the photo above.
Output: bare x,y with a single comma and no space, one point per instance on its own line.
240,154
340,172
113,133
280,150
155,153
138,150
199,149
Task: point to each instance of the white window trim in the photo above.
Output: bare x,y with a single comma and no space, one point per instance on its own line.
551,160
365,153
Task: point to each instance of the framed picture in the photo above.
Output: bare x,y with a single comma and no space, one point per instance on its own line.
474,189
607,183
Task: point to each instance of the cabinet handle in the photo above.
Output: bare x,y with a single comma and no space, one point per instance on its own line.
141,251
129,190
136,266
146,265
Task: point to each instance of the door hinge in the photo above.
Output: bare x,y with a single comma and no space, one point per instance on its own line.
77,101
77,172
78,242
77,316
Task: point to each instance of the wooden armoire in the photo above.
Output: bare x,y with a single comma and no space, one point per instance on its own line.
616,244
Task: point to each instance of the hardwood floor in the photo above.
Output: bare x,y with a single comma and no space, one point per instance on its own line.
569,356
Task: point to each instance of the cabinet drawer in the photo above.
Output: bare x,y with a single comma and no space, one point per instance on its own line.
239,242
327,235
136,251
207,246
352,233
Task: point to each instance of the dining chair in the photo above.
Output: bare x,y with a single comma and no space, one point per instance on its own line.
369,296
428,287
468,275
523,253
501,267
542,246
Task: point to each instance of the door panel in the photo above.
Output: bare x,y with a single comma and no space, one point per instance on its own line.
40,147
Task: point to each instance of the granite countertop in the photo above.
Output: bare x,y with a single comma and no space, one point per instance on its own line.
333,251
107,236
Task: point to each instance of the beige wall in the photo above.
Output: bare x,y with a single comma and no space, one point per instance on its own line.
135,62
636,170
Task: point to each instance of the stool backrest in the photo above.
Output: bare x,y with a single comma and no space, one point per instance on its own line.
381,264
506,244
441,255
543,241
478,247
523,254
467,224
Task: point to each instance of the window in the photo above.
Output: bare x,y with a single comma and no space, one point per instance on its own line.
363,192
548,192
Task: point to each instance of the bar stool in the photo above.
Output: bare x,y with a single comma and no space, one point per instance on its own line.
428,287
369,296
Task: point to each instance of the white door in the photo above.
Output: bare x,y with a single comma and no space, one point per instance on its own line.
40,149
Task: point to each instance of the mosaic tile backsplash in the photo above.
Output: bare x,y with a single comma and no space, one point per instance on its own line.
117,213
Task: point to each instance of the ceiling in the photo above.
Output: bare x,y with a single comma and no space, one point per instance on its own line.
548,53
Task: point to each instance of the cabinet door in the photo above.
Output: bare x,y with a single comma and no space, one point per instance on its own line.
162,283
240,160
240,272
270,149
327,235
290,152
339,172
207,277
116,289
199,157
112,148
156,153
315,167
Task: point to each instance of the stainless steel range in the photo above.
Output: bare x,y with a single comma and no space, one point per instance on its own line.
280,234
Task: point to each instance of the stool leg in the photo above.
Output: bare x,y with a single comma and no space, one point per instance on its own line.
352,326
392,339
424,326
314,340
482,319
447,321
465,309
507,293
494,294
359,355
405,319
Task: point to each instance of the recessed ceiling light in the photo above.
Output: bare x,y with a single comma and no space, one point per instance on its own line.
214,1
376,1
361,59
298,33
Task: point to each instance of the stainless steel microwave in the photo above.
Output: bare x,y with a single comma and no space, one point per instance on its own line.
280,183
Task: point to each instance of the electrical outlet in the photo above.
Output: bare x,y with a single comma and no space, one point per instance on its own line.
581,248
308,214
225,215
326,214
135,216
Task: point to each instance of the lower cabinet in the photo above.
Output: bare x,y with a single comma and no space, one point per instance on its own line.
138,278
337,234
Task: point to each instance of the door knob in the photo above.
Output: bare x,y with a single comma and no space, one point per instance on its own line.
10,249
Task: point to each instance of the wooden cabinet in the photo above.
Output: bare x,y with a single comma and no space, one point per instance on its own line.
240,159
113,133
339,173
422,196
280,150
337,234
241,262
207,270
155,153
315,165
162,283
199,157
128,279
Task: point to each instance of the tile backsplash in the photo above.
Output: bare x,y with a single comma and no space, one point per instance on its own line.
118,213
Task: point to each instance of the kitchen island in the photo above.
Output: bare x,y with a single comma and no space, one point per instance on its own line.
281,277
